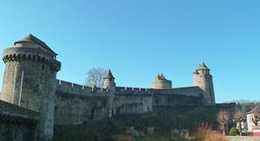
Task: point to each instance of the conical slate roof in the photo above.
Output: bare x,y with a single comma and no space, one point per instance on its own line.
160,77
109,74
31,38
202,66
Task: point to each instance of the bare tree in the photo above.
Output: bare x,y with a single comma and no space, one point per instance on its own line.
238,114
95,77
223,117
238,117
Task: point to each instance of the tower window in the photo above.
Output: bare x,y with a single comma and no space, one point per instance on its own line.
42,67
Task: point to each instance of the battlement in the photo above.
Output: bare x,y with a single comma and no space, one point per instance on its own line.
184,91
31,54
133,91
77,89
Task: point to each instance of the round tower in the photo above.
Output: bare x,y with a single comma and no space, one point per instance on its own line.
30,79
203,79
161,82
109,81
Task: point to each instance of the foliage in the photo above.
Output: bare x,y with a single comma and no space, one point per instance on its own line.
164,122
90,131
192,119
154,139
233,131
95,77
246,106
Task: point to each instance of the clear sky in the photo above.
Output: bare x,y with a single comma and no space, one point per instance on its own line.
137,39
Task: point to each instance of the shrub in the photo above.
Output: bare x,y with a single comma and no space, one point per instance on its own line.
206,134
233,131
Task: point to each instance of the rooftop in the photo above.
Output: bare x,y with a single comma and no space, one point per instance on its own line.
31,38
202,66
256,111
109,74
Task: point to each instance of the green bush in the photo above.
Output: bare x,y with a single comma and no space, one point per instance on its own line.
233,131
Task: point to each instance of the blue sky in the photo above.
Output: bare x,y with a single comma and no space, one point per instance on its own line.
137,39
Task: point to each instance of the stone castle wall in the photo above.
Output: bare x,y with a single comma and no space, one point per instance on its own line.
75,109
76,103
72,88
132,104
132,100
18,123
178,97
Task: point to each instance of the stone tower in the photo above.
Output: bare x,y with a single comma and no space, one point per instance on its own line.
109,81
203,79
30,79
161,82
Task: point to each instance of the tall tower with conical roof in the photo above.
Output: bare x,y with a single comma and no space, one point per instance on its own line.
203,79
30,79
109,81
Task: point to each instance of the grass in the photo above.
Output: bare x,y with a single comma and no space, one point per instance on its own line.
207,134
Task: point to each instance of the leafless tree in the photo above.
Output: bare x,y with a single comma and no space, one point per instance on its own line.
223,117
238,117
238,114
95,77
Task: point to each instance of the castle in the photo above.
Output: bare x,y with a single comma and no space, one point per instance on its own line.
30,81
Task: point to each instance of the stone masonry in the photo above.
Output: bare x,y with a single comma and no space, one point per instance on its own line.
30,81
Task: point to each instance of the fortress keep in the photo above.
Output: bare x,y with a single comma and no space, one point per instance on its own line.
30,81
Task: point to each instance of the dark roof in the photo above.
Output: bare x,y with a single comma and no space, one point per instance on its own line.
109,74
256,111
202,66
158,77
33,39
162,76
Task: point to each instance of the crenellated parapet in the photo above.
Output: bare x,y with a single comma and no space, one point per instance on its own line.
181,91
77,89
31,54
133,91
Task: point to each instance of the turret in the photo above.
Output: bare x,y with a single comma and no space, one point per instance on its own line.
30,79
161,82
203,79
109,81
